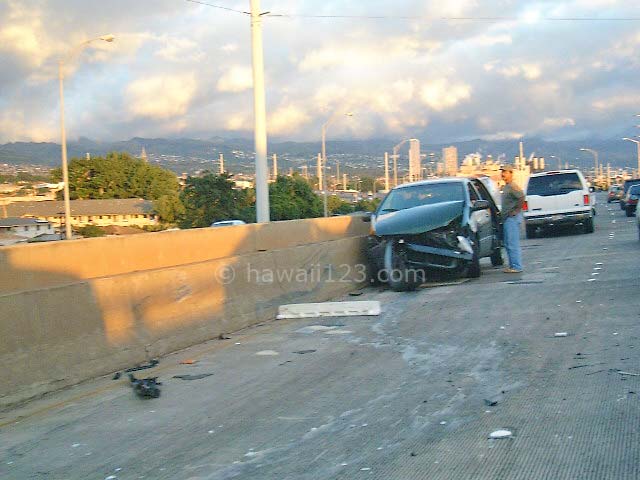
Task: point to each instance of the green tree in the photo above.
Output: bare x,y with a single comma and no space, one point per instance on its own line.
337,206
169,208
91,231
118,175
365,205
291,198
213,198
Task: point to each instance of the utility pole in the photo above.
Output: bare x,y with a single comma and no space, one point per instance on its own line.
221,164
344,181
319,172
275,166
386,171
260,115
337,171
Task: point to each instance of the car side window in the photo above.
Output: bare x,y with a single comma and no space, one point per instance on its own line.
473,194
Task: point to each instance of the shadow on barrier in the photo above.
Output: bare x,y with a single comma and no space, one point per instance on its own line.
71,311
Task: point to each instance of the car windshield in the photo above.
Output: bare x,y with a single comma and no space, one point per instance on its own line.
554,184
415,196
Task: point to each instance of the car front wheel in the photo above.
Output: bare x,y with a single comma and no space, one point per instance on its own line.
400,277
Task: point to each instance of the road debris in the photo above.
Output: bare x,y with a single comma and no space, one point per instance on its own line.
329,309
267,353
193,377
355,294
560,334
498,434
303,352
188,362
628,373
152,363
224,336
145,387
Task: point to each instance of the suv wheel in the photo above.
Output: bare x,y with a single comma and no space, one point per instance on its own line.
589,226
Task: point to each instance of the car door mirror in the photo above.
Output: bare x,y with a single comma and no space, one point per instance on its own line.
592,189
480,205
367,217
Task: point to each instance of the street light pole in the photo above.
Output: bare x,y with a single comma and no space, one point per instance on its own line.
63,134
260,115
595,158
637,142
323,185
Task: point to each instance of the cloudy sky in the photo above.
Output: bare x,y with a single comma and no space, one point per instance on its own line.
177,68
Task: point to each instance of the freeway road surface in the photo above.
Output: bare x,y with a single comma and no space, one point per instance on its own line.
406,395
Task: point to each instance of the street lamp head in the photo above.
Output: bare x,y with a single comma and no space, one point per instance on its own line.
108,38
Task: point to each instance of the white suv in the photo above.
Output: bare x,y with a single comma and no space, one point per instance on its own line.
558,198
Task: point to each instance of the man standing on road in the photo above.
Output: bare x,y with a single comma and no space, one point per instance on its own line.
512,202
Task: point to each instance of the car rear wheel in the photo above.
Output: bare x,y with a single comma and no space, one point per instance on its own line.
400,277
530,231
588,226
496,258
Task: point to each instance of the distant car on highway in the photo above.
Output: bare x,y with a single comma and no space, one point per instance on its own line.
631,200
228,223
625,187
446,224
615,193
558,198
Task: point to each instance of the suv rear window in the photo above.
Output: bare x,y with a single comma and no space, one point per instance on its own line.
634,190
547,185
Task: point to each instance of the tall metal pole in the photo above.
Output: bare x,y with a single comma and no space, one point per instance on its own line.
65,169
260,115
275,166
221,164
386,171
324,171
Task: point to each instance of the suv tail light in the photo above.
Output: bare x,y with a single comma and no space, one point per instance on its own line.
525,206
587,200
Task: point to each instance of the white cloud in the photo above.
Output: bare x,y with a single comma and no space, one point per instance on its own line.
558,122
237,78
486,40
287,119
503,136
162,96
441,94
614,102
179,49
529,71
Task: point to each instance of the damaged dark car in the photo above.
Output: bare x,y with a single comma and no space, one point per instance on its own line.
446,224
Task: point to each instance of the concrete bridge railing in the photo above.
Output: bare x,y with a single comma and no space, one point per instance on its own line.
71,311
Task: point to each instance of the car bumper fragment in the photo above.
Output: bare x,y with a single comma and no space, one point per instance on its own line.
558,219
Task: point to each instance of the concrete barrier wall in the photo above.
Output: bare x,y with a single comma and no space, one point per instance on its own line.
70,311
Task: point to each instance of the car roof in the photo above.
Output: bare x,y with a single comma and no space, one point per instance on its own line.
435,181
554,172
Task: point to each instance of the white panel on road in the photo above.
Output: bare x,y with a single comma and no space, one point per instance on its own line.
329,309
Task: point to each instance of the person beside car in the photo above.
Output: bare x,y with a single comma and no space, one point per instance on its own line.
512,202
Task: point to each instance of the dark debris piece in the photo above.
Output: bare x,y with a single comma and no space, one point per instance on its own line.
193,377
151,364
145,387
302,352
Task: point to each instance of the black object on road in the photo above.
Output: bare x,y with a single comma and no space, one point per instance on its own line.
193,377
302,352
145,387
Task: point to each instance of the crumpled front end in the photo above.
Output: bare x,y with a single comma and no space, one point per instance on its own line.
443,248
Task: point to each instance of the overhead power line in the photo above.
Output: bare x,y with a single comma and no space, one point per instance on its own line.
218,6
426,18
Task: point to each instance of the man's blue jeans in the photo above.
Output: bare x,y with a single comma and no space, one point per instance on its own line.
511,240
